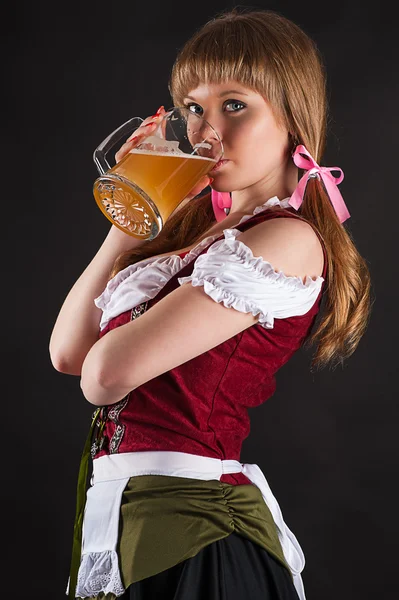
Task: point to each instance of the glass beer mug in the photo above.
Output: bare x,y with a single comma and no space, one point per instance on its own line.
141,191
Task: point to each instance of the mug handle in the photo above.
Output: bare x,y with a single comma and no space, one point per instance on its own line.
99,154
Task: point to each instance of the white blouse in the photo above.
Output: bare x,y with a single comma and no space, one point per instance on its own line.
229,273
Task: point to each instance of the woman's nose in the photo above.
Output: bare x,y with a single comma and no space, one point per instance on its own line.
210,134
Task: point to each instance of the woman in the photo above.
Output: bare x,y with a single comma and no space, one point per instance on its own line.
226,293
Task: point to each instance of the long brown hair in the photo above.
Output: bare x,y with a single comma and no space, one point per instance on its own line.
270,54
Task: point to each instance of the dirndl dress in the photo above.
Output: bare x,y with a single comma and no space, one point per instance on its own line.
245,547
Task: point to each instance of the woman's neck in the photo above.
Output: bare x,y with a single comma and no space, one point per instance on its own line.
245,201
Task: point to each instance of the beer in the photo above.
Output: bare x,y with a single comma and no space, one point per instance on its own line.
148,184
166,178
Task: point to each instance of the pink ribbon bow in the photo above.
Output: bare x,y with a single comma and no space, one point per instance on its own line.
329,180
220,201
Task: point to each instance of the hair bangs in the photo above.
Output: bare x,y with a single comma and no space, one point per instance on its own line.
217,56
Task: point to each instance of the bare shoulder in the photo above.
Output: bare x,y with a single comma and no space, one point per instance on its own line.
289,244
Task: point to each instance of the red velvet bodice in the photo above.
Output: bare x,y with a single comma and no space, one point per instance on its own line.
200,407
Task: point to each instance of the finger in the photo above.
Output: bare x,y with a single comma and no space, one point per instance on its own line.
148,126
136,138
154,119
202,184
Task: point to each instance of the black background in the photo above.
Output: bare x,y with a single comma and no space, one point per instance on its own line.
327,442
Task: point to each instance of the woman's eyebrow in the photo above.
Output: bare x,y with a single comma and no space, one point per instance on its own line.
225,94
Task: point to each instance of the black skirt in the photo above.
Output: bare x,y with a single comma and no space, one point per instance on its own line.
232,568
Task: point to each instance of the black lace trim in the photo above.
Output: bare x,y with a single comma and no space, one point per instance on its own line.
112,412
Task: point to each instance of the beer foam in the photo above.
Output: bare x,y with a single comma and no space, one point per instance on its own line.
162,147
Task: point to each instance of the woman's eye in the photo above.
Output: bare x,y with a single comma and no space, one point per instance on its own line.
229,102
235,102
190,105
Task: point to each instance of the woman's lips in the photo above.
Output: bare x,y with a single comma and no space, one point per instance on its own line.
219,164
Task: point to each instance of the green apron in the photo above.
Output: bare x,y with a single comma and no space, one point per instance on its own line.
165,520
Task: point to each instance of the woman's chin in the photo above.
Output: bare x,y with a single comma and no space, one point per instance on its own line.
221,184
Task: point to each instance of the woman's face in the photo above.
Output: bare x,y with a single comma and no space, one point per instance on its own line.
255,146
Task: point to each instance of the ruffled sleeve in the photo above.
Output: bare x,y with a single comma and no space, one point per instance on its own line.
135,284
231,274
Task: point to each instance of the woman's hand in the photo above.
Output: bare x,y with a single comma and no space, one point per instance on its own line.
147,127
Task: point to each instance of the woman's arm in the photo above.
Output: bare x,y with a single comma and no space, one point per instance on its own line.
77,326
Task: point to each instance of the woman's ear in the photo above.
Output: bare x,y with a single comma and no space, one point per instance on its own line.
293,142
